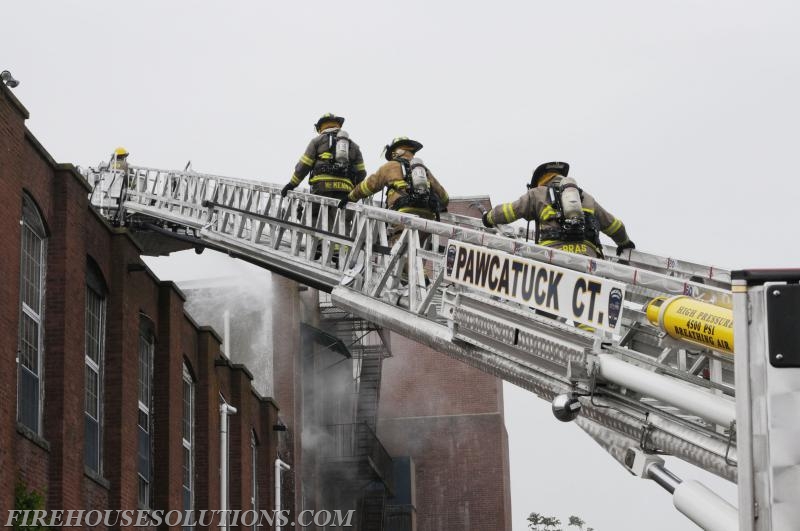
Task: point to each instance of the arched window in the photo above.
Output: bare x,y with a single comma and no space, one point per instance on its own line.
30,346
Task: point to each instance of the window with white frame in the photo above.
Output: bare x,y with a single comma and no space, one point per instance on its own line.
145,422
187,438
95,354
254,473
30,346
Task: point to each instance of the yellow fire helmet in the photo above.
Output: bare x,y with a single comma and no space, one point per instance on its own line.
121,152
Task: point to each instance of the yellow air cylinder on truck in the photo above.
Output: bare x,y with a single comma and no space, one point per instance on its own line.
695,321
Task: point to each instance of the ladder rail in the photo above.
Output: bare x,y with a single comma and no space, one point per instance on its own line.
347,254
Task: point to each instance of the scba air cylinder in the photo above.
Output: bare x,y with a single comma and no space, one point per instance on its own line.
342,155
571,199
694,321
419,176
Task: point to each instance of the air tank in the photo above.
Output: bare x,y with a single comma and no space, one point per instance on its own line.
693,321
419,176
571,199
342,147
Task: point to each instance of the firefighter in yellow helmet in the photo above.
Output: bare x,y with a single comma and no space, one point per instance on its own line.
333,160
566,217
412,188
120,159
119,162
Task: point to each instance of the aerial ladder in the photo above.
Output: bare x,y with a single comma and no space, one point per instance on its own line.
650,372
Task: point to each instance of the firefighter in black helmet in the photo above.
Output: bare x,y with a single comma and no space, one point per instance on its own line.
412,188
335,164
566,217
333,160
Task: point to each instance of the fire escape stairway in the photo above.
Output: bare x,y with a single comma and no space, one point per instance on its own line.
373,508
367,344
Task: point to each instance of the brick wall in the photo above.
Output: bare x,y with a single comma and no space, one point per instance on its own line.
443,413
449,418
53,462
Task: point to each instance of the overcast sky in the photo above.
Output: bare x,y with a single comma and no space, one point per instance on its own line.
681,117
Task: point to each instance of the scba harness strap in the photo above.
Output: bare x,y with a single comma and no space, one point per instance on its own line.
584,228
410,197
327,163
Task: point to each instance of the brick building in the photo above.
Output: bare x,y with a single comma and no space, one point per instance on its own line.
109,392
448,417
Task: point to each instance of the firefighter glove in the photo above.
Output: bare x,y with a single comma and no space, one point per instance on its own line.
627,245
485,219
343,202
286,189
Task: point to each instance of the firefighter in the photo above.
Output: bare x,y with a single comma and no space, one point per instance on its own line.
566,217
119,162
335,164
412,188
120,159
334,161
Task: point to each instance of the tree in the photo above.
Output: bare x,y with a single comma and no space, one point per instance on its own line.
534,521
551,523
540,522
576,521
27,500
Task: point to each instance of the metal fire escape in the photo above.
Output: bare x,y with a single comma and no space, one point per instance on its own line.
636,387
368,346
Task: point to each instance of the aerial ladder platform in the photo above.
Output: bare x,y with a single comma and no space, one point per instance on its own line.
639,350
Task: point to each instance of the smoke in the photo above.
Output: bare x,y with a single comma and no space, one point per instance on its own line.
219,289
330,432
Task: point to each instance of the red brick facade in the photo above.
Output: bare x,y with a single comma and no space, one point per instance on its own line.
449,418
52,462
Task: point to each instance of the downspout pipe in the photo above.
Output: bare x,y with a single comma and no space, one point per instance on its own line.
224,411
279,466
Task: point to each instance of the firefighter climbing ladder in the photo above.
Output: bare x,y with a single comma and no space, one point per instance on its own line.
640,391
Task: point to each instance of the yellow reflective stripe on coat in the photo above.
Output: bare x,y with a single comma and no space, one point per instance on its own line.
295,180
308,161
508,212
361,166
490,217
365,189
548,243
588,210
547,212
325,156
422,212
614,227
328,178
